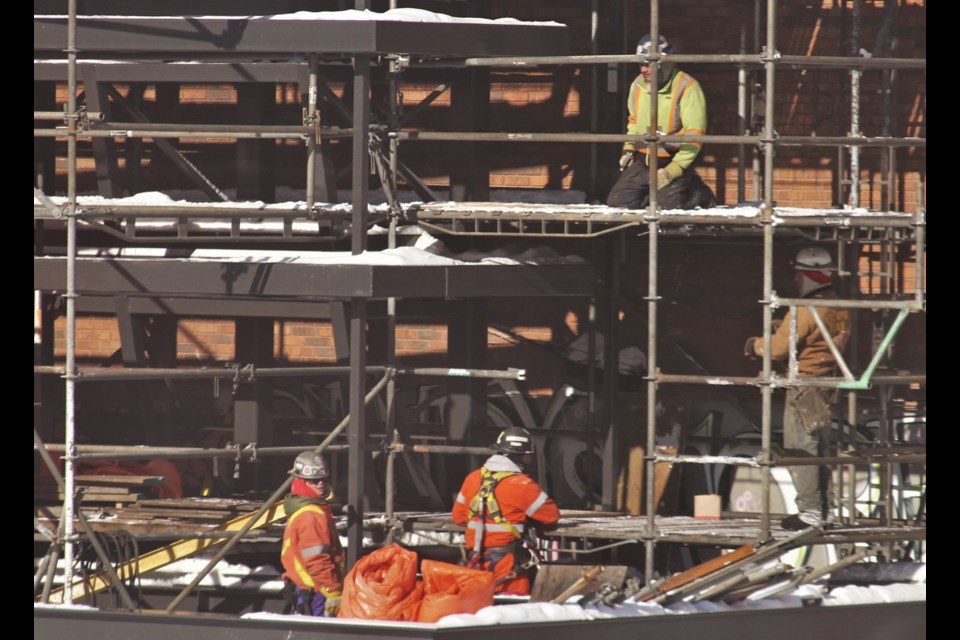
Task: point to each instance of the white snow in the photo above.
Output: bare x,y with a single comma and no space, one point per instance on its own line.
353,15
266,579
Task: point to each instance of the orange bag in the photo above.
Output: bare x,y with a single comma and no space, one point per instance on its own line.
383,585
450,588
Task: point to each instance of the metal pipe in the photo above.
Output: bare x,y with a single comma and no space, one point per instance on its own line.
61,115
244,374
742,120
775,382
190,453
469,136
757,60
787,141
393,433
280,491
855,110
311,118
591,394
769,54
920,250
440,448
69,533
92,212
494,374
650,529
594,100
159,132
906,305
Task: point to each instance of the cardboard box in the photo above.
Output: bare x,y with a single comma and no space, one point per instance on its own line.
706,507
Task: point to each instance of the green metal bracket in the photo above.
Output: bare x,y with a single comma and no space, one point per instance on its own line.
864,381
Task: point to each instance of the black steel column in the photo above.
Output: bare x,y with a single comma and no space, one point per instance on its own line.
357,430
467,349
252,414
133,355
255,158
611,377
133,147
44,149
465,412
361,153
469,167
104,149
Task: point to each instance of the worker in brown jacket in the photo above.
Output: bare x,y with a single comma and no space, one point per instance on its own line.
496,504
808,412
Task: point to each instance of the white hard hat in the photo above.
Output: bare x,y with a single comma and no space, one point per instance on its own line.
813,259
310,466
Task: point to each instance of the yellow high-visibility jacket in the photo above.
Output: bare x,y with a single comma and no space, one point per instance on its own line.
681,109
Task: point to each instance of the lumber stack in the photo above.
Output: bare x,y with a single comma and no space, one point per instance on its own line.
115,490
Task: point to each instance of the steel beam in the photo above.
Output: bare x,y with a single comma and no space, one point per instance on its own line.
194,72
240,280
251,37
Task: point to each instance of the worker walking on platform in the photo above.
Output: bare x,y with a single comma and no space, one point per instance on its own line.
496,504
311,555
681,110
808,411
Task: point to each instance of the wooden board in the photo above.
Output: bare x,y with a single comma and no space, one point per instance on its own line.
145,481
554,579
114,498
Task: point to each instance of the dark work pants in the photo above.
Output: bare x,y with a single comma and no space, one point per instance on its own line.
632,190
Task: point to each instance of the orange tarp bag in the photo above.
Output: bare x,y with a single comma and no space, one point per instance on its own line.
450,588
383,585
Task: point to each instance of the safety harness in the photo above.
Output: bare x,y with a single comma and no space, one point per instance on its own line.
484,505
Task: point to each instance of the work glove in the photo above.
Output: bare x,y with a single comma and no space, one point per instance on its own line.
749,348
668,174
331,606
626,159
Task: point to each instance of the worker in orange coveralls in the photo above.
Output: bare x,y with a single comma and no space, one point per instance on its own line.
496,503
312,556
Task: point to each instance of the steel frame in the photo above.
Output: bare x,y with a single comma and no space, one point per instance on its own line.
245,40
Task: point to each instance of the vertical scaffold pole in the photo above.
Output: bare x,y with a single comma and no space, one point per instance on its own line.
69,533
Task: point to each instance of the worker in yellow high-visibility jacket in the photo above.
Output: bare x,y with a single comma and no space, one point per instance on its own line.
681,110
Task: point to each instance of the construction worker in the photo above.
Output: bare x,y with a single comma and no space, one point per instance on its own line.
807,414
496,503
311,555
681,110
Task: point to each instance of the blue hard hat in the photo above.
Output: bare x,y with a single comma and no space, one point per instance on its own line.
643,46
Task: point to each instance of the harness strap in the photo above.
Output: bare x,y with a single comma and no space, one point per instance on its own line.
486,500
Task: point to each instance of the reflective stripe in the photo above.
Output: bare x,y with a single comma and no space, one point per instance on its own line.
297,564
532,509
490,526
461,499
315,550
310,507
674,125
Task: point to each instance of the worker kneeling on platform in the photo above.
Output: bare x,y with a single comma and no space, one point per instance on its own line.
312,556
497,503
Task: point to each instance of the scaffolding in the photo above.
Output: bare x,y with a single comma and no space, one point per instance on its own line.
888,231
